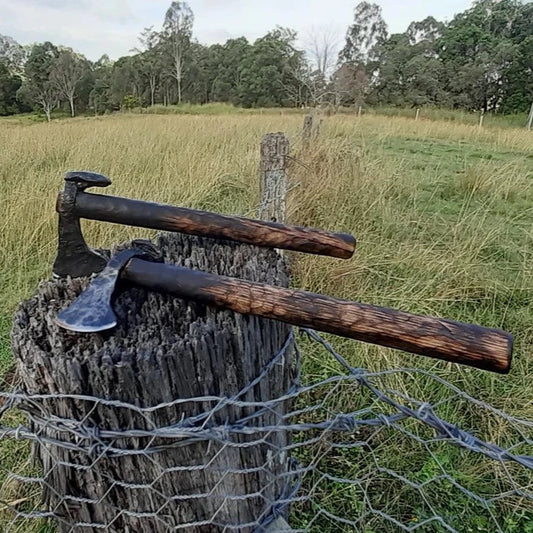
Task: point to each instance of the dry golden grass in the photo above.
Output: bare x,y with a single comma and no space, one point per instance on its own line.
443,213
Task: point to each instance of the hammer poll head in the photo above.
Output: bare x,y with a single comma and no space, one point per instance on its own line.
74,258
92,311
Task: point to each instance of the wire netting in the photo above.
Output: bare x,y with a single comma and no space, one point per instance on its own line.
364,452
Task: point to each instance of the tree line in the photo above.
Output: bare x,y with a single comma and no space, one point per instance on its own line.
481,60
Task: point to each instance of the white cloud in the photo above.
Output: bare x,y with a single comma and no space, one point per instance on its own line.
95,27
88,26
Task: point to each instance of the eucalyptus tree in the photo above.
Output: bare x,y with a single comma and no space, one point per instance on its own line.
363,38
151,60
359,59
425,32
38,86
12,55
68,70
176,35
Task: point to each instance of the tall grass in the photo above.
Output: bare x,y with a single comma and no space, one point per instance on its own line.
443,213
216,108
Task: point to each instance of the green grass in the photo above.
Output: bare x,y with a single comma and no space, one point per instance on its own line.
6,358
490,120
443,213
447,214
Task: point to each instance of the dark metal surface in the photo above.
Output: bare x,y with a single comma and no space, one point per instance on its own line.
74,258
92,310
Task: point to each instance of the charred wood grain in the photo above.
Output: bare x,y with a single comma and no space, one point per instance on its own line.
468,344
193,222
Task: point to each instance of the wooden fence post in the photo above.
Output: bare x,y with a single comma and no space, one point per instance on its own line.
274,152
311,127
530,118
273,177
307,128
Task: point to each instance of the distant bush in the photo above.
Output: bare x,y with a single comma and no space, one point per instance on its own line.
194,109
216,108
130,102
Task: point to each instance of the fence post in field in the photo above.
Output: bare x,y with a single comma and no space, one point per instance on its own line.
481,117
360,111
273,191
417,113
308,126
273,177
530,119
170,364
311,127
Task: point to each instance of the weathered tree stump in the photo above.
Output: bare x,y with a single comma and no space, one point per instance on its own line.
103,470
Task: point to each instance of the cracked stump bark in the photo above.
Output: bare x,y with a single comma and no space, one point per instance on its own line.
99,472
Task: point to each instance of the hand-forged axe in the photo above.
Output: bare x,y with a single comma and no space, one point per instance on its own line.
76,259
473,345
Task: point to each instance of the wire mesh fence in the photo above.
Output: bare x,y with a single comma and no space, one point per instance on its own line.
361,453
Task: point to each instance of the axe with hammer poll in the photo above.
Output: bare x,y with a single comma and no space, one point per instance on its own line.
468,344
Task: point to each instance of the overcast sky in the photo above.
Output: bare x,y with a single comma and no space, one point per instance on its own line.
95,27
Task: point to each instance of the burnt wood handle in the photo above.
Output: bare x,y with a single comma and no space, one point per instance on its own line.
194,222
485,348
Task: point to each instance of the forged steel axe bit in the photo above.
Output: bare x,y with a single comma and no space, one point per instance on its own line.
485,348
74,258
92,311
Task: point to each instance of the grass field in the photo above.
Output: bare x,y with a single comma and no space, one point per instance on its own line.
443,213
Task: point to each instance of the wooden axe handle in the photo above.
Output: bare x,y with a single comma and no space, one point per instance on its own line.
468,344
193,222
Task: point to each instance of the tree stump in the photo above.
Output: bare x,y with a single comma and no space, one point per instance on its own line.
128,469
